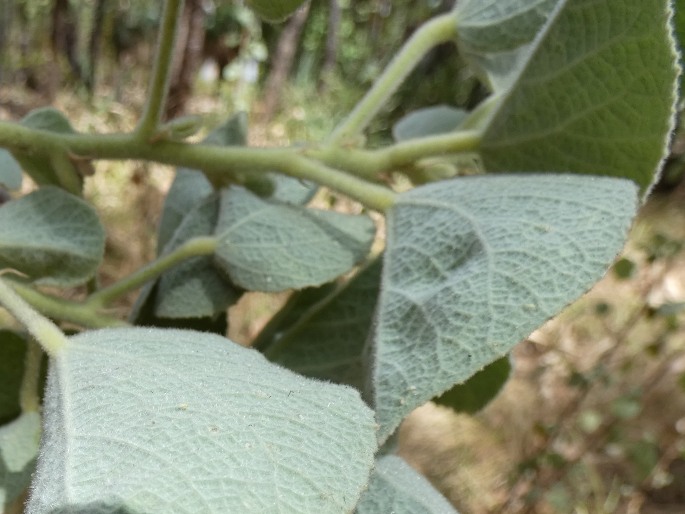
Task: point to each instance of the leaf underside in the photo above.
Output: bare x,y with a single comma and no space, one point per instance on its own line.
52,236
397,488
18,451
151,420
473,265
271,246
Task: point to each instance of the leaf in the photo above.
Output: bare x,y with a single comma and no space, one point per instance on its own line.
177,421
596,101
188,189
479,390
298,305
10,171
397,488
475,264
274,10
269,246
143,315
41,167
495,35
52,236
191,186
12,354
679,33
328,340
18,451
194,288
48,119
428,122
292,190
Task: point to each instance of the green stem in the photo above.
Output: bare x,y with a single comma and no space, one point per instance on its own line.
192,248
29,394
322,165
374,196
159,88
65,310
437,31
50,337
369,163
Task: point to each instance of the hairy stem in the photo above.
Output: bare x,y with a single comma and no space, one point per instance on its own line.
322,165
29,394
159,87
439,30
369,163
48,335
65,310
192,248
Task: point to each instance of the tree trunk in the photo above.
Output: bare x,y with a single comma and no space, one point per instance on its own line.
187,57
331,55
282,61
94,44
6,9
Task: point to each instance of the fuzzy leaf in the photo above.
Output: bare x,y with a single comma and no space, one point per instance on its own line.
479,390
269,246
292,190
10,171
191,186
52,236
18,451
473,265
188,189
496,35
40,166
176,421
395,487
428,122
598,101
327,342
12,354
143,315
194,288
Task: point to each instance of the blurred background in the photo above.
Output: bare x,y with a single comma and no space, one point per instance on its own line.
592,419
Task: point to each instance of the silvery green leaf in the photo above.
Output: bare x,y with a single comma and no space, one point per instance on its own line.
428,122
194,288
397,488
496,35
474,264
53,237
172,421
10,171
191,186
18,451
271,246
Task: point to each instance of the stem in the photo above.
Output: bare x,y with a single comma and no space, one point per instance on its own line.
159,88
378,198
322,165
59,308
50,337
195,247
437,31
29,394
369,163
